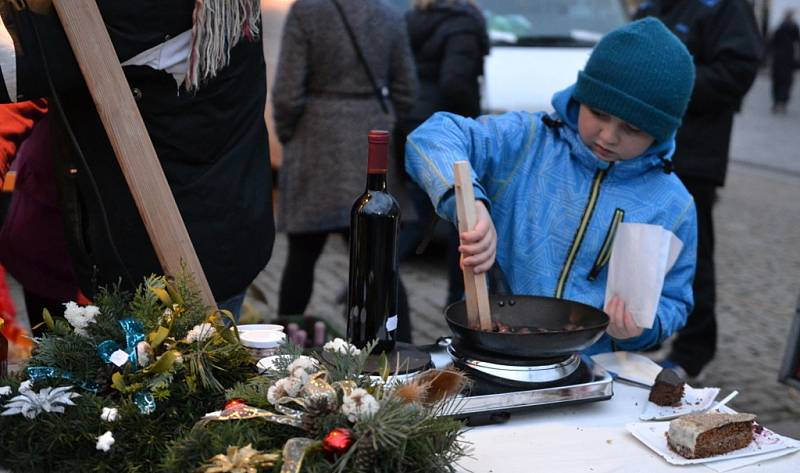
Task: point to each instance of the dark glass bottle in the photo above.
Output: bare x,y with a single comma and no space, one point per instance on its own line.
374,232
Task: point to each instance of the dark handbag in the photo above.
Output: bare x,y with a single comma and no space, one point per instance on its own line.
381,92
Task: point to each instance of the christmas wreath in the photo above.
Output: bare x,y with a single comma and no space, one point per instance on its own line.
154,381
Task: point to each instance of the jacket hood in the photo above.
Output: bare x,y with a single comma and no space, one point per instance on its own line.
659,154
443,19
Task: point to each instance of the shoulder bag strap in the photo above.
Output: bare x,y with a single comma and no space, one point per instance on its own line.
381,93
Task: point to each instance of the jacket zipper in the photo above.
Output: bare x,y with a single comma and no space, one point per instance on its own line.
579,234
605,250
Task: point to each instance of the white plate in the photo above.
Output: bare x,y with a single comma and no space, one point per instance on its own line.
629,366
269,362
693,400
653,435
394,379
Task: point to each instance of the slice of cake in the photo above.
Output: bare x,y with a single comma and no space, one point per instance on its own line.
711,433
668,388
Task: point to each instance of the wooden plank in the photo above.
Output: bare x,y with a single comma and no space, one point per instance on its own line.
112,96
476,292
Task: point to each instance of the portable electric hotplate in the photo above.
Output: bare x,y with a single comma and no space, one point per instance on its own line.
504,384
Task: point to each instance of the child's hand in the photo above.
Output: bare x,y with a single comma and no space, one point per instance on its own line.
479,246
621,325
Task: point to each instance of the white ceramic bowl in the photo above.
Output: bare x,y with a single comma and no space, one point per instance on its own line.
260,327
262,338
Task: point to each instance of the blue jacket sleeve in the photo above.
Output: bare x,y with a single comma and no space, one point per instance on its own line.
491,144
676,300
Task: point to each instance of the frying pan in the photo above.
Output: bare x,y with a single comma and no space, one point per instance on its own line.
551,314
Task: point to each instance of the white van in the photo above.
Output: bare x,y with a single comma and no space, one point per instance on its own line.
538,47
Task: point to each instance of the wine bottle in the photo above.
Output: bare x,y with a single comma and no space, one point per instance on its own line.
374,232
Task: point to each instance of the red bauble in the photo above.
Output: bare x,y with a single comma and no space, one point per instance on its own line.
235,404
337,441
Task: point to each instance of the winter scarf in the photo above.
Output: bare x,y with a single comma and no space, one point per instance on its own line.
218,26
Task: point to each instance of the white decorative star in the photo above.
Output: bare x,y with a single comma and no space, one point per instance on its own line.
105,441
109,414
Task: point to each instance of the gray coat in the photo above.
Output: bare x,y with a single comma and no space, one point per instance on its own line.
324,105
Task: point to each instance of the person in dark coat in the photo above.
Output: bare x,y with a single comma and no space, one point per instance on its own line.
724,40
32,244
199,81
324,105
449,42
785,49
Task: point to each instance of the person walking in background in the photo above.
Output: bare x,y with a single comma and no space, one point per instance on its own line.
723,38
324,104
449,41
785,50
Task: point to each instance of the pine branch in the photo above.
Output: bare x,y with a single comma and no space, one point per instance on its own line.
72,353
206,440
145,306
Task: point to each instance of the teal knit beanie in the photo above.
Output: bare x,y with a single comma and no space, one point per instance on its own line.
640,73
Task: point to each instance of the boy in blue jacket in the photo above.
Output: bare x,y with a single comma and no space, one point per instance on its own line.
551,190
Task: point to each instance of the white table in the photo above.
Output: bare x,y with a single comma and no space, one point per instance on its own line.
582,438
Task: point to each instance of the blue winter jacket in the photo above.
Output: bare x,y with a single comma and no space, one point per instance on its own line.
556,206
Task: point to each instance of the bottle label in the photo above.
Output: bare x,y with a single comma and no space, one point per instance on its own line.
391,323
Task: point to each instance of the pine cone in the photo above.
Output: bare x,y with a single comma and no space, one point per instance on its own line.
318,406
316,409
365,457
309,424
103,378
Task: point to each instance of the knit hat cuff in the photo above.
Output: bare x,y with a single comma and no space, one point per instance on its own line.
606,98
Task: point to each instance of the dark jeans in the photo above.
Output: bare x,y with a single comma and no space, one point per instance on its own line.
297,281
782,86
696,343
233,304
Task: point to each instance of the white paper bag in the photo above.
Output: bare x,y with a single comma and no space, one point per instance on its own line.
641,256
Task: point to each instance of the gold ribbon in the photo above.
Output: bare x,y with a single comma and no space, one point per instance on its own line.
249,412
294,451
316,387
240,460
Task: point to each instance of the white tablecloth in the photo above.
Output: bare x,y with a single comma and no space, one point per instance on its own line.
582,438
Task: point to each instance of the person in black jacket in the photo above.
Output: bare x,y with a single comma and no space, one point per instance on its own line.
199,80
449,41
723,38
785,49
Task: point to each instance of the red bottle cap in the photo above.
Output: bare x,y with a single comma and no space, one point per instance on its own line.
378,151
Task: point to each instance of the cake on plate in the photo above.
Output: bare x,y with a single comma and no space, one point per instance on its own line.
668,388
710,433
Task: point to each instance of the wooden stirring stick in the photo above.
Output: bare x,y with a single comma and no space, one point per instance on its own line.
476,292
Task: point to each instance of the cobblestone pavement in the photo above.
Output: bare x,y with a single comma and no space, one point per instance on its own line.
758,264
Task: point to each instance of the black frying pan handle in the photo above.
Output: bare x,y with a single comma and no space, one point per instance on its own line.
498,284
